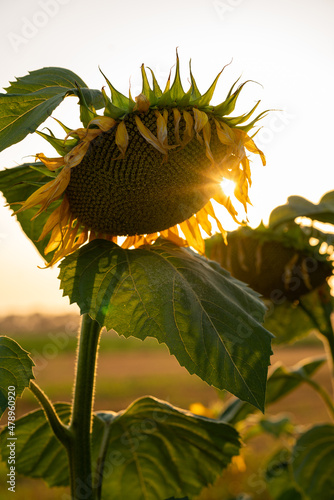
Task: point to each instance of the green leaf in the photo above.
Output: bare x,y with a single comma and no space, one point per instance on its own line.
17,184
313,462
148,447
20,115
281,382
279,477
274,425
15,371
209,320
40,79
300,207
31,99
292,321
38,452
156,450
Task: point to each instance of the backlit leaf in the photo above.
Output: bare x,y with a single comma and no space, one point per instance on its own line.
17,184
209,320
313,462
15,371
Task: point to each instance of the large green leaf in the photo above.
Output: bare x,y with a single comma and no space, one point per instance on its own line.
281,382
300,207
31,99
209,320
146,450
156,451
15,371
279,477
313,462
17,184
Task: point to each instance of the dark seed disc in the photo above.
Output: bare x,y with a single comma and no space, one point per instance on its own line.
141,193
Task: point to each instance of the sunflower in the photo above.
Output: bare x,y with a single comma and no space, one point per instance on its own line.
148,167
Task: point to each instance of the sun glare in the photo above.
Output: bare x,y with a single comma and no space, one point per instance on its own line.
228,187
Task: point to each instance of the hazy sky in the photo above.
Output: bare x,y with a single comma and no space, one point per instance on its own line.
286,45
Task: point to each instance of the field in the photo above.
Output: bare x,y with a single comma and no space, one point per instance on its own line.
128,369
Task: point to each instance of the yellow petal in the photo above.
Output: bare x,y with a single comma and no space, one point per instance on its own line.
59,216
224,200
75,156
203,220
192,233
189,130
201,119
142,103
104,123
149,238
122,138
129,242
207,138
48,193
246,168
161,129
148,136
51,163
225,133
210,210
252,148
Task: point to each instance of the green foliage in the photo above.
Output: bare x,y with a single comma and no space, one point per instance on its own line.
15,371
313,462
17,184
292,321
279,477
281,382
39,454
145,450
31,99
161,450
300,207
209,320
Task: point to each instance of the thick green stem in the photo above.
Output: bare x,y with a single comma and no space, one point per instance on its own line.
79,450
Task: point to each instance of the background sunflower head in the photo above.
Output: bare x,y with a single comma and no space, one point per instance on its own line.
147,167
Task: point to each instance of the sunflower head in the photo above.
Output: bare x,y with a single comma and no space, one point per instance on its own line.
147,167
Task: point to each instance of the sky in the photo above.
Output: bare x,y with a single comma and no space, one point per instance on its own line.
286,46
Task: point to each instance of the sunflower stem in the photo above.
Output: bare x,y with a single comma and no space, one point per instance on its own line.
60,430
79,449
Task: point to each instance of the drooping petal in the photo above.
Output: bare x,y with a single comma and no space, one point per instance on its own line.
58,216
203,220
201,119
192,233
104,123
148,136
48,193
51,163
207,139
189,130
161,130
122,138
225,200
142,103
